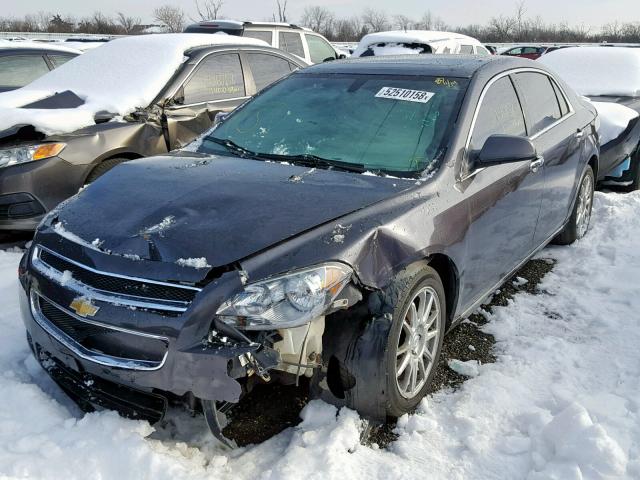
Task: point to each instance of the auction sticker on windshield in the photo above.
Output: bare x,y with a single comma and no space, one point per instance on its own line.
405,94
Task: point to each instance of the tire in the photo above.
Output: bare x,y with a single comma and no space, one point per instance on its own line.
578,223
103,167
410,292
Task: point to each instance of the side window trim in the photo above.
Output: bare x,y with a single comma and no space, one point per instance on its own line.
194,71
552,83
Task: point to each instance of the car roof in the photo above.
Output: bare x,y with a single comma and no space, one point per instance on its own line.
462,66
22,45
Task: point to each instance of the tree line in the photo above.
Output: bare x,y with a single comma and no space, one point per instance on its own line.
516,27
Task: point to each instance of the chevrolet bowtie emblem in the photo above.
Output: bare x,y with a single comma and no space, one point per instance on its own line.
84,307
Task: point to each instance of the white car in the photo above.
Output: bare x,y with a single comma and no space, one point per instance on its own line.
299,41
418,42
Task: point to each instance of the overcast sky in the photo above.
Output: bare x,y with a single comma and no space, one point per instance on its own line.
453,12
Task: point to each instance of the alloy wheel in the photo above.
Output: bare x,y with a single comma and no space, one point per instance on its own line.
585,202
418,341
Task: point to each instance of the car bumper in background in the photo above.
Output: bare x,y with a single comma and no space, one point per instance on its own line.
29,190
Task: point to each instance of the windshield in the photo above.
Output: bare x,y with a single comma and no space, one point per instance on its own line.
393,124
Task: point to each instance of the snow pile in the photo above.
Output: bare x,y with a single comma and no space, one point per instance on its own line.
614,119
120,76
594,71
395,49
560,403
470,368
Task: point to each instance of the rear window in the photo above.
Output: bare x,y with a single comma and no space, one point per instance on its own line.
395,124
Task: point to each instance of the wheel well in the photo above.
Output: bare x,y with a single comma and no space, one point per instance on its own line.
593,163
449,275
127,155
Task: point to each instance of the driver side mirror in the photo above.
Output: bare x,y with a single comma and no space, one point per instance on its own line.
498,149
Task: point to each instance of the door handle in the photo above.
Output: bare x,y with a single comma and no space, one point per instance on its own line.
580,134
536,164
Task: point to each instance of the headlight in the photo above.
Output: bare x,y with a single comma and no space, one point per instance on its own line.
287,301
13,156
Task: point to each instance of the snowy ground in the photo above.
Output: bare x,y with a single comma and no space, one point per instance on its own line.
561,402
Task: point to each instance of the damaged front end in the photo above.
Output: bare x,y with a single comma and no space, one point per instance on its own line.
134,345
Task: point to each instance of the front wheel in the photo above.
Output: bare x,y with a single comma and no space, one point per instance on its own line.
418,308
580,218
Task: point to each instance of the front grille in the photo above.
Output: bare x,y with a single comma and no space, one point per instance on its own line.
102,339
119,285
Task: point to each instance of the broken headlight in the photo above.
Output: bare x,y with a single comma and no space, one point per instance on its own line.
14,156
286,301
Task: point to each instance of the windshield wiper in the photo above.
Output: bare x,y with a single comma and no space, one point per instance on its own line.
233,147
315,161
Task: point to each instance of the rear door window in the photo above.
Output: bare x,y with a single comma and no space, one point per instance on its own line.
267,68
540,101
500,113
292,42
19,70
218,77
466,49
264,35
59,60
319,49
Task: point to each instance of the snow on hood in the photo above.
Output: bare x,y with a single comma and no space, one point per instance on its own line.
595,71
614,119
410,36
120,76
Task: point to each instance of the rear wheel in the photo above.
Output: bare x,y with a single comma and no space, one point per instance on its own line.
418,308
580,218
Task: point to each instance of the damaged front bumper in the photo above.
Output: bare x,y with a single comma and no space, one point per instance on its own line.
110,352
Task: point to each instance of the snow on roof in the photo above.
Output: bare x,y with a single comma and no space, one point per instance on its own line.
410,36
597,71
120,76
6,44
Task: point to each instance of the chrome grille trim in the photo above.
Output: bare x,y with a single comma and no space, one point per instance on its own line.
114,298
82,352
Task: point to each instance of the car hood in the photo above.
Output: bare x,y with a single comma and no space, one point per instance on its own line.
210,211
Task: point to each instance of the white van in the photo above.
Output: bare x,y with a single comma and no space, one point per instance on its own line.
299,41
418,42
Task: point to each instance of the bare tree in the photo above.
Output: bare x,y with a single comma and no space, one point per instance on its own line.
282,10
520,14
403,22
172,18
129,25
318,19
502,27
210,9
376,20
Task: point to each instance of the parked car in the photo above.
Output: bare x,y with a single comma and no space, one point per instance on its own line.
530,52
610,77
21,62
332,228
299,41
131,98
417,42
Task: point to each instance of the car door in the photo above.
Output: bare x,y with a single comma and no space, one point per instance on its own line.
546,109
503,200
216,85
